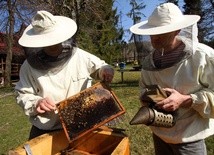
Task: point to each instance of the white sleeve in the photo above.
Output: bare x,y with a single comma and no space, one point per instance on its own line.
203,100
26,91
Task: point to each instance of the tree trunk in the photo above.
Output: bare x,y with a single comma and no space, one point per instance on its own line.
9,40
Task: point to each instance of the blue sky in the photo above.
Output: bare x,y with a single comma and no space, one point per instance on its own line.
125,7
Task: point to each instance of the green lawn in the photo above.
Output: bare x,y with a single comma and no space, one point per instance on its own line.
14,125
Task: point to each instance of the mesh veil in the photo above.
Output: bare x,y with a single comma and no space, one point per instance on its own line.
38,59
188,35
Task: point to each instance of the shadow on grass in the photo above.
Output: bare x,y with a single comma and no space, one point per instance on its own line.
6,89
133,83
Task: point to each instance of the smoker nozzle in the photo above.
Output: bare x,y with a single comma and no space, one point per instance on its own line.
150,116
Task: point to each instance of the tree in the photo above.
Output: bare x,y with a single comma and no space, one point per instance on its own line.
11,10
98,31
194,7
207,21
100,36
205,9
9,34
97,25
135,13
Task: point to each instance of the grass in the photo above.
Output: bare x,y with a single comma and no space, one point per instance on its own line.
128,92
14,125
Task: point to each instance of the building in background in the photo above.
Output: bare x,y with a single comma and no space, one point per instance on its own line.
17,58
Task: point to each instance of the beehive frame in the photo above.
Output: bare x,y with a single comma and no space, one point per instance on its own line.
88,110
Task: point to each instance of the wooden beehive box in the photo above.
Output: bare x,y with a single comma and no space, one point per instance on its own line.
83,116
98,142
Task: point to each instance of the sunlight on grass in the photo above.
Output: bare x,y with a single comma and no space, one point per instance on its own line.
14,125
128,92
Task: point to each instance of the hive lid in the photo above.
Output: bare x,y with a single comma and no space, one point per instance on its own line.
88,110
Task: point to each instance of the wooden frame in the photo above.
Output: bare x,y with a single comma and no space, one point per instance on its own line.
83,100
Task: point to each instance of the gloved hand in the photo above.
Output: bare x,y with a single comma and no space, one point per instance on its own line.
106,74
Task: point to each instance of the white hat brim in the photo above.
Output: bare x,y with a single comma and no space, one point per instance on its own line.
143,28
64,30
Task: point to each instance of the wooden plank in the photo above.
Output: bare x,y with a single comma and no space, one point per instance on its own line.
47,144
96,142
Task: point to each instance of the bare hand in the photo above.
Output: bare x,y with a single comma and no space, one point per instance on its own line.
107,74
174,101
45,105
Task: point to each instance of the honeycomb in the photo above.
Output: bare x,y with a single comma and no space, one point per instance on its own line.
88,110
